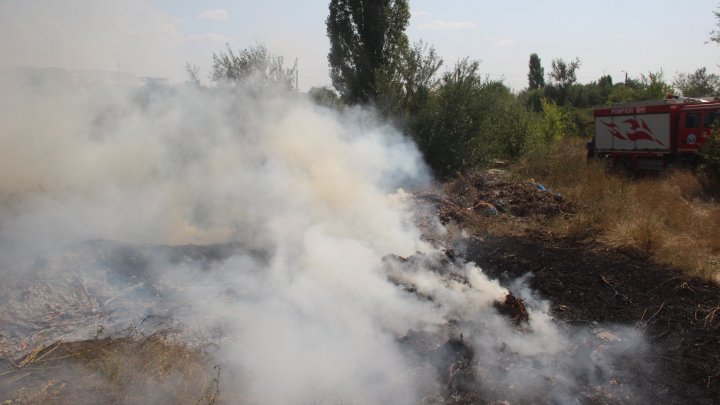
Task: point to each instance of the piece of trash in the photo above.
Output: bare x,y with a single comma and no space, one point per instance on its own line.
606,335
490,212
537,185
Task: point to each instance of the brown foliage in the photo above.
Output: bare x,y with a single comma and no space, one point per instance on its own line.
671,218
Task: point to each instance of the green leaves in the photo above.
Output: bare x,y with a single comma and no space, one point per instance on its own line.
710,154
536,73
254,64
468,121
368,46
698,84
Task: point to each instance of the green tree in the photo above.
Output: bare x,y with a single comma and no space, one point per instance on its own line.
648,87
653,86
254,64
715,34
710,154
622,93
557,124
563,76
530,98
468,121
536,73
402,96
367,46
605,87
325,96
698,84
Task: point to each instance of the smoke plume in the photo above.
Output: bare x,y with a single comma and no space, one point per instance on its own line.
306,202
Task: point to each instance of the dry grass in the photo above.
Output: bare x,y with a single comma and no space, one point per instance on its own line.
152,369
673,219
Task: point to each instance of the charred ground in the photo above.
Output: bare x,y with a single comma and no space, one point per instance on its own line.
589,283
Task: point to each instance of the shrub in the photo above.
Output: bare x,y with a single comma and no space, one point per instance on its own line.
469,121
710,154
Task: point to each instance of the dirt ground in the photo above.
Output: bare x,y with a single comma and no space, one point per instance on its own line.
588,283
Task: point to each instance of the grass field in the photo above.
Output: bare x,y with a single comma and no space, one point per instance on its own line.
673,218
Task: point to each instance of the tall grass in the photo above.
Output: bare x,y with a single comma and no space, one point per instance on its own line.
673,219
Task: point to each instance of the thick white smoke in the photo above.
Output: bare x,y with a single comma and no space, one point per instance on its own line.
307,203
304,309
313,190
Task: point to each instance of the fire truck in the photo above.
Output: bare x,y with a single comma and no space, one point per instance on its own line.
648,136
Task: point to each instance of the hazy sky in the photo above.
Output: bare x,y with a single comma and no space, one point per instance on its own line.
157,37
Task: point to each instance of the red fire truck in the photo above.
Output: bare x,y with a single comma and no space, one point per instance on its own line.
651,135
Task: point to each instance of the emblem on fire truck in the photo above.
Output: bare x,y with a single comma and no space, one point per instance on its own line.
634,130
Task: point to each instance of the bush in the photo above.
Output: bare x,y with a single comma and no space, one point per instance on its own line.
469,121
255,65
326,97
710,154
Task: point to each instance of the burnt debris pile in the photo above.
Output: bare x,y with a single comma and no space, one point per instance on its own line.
492,192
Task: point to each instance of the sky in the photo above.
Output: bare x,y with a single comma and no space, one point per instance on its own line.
157,37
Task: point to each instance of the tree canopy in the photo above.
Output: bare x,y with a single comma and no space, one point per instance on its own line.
536,73
367,45
255,64
563,76
458,118
698,84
